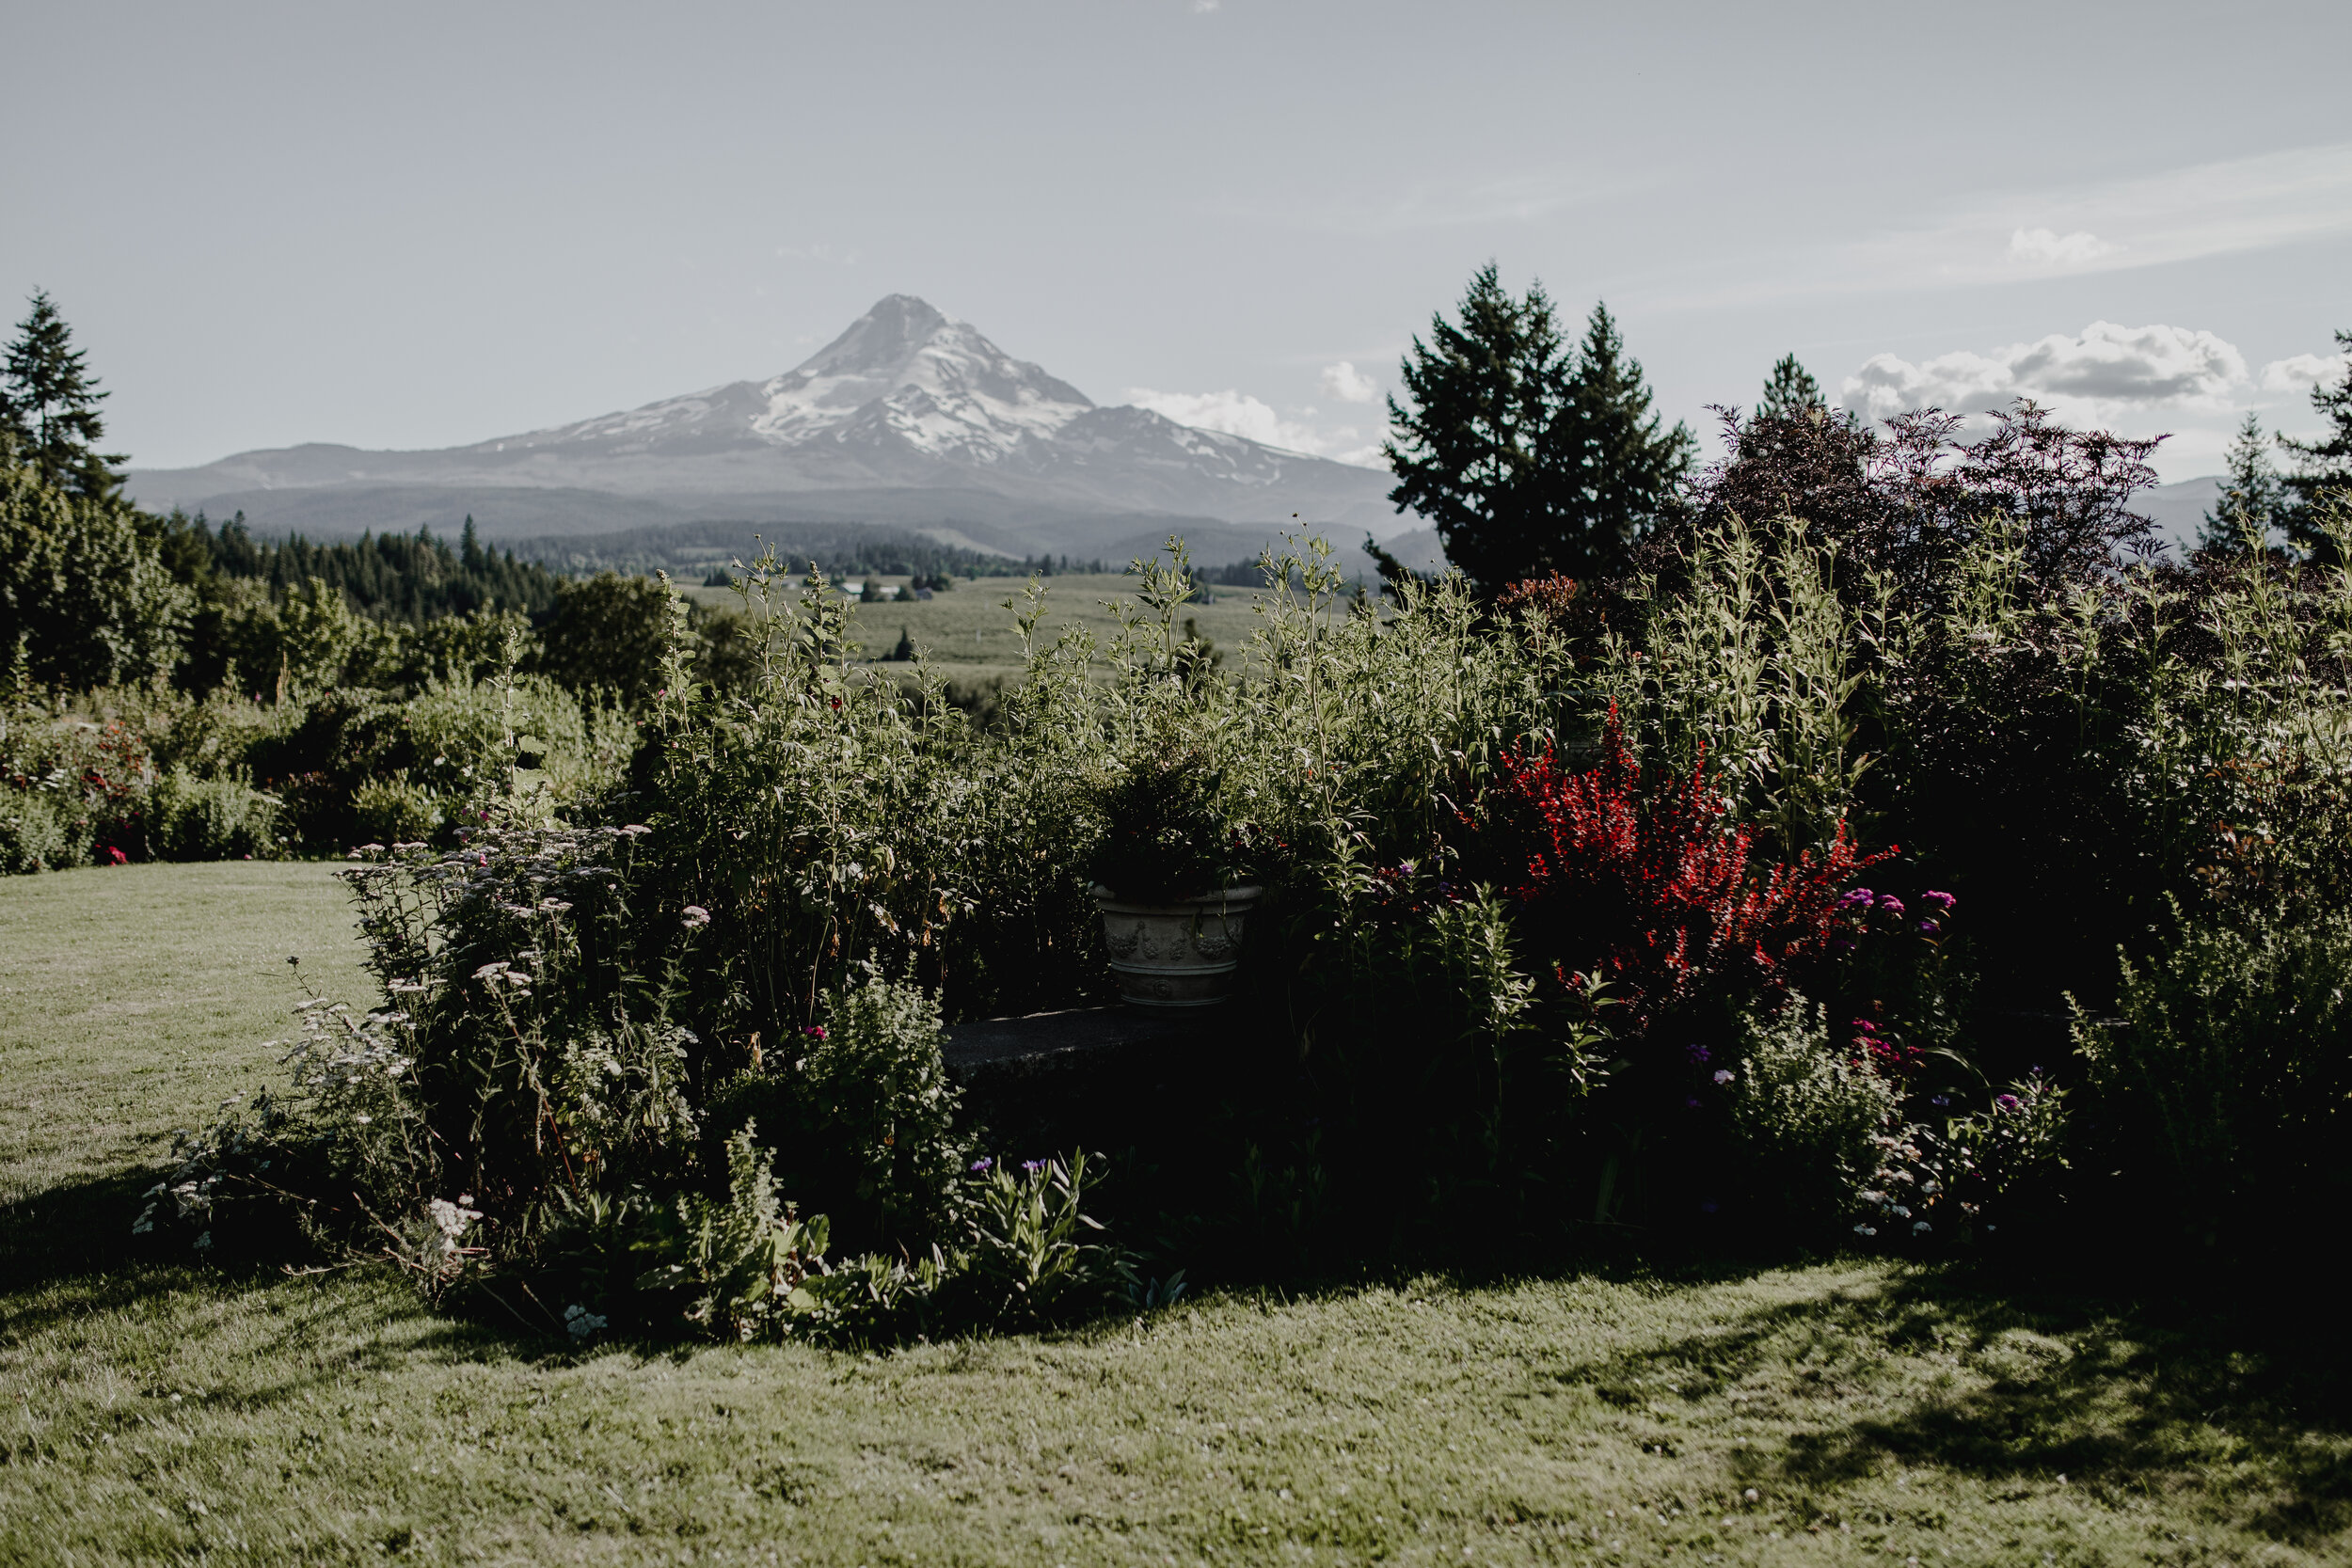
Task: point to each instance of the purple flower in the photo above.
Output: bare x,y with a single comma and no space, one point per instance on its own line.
981,1165
1692,1105
1722,1075
2007,1103
1030,1167
1943,901
1940,1099
1698,1052
1891,904
1928,926
1859,898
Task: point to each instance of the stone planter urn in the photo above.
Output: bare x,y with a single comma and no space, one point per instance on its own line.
1177,955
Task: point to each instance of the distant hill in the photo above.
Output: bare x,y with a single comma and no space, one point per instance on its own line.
2179,510
908,420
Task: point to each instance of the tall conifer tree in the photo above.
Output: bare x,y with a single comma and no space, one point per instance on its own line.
1529,458
1632,468
2250,501
49,402
2325,469
1790,390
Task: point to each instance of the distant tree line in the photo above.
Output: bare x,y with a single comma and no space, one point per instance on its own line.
410,579
705,551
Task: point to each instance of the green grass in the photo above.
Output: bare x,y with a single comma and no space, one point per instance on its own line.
151,1410
969,630
134,999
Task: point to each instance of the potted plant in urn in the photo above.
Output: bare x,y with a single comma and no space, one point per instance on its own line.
1164,874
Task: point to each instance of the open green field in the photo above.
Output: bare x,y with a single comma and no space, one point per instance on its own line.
969,629
154,1410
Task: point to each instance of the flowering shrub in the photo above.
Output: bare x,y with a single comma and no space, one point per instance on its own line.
1957,1178
1644,881
860,1113
72,789
1808,1113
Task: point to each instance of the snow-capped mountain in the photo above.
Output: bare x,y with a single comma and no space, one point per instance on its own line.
902,373
909,416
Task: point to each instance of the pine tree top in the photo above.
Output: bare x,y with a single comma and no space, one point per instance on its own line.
1790,390
49,403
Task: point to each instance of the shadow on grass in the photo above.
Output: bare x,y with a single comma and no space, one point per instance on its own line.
2118,1395
2249,1397
68,1253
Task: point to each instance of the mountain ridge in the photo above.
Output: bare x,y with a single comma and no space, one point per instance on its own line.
903,407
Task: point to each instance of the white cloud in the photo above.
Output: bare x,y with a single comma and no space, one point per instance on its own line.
2177,215
2046,248
1346,383
1236,413
2102,375
2300,373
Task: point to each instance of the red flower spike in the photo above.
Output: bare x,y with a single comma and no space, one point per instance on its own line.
1647,876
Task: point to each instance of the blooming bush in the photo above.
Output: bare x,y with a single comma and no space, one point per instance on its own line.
861,1115
1647,883
1808,1114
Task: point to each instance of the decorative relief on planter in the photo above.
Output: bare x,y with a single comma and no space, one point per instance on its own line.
1180,954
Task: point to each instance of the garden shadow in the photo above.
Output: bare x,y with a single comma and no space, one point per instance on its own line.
2112,1394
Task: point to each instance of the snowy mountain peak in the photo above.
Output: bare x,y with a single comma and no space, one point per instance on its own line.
902,377
907,371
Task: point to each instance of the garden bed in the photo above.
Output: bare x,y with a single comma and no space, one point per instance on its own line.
169,1411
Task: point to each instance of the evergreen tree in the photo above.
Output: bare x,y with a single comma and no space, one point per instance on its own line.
2250,501
1790,390
1476,453
1528,458
84,595
2325,470
1634,469
49,402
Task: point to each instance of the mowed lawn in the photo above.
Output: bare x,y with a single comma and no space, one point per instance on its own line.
154,1410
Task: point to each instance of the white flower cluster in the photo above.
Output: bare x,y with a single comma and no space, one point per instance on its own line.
452,1219
1909,1181
502,971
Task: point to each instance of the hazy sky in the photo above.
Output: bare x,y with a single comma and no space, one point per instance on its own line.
430,224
